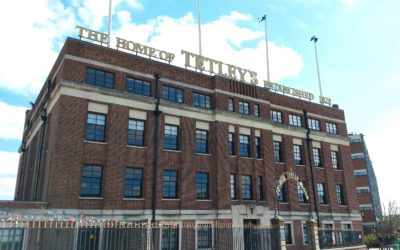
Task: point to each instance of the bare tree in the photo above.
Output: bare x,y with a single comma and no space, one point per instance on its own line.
391,218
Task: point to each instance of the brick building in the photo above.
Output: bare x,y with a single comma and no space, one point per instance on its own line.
209,151
366,183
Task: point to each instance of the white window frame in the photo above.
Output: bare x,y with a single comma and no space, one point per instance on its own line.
211,223
291,232
179,223
302,233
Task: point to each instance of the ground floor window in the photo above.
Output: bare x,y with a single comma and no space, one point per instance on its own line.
11,238
306,235
88,238
204,236
170,237
288,233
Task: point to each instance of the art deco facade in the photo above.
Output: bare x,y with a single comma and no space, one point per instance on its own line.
208,151
366,184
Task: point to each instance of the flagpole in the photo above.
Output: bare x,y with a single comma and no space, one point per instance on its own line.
199,24
266,47
315,39
109,24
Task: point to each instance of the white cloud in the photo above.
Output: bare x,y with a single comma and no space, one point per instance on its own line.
12,124
222,39
8,174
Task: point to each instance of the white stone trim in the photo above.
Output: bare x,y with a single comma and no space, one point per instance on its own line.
231,128
173,120
97,107
202,125
297,141
244,131
257,133
334,148
277,138
136,114
316,144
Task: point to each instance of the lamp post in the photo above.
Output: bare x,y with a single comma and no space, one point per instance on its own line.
109,24
199,26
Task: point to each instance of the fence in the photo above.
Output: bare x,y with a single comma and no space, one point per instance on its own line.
338,238
124,236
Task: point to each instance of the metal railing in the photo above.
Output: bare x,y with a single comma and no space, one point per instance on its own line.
339,238
123,236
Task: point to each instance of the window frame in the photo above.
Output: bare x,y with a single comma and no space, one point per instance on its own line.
205,227
231,144
297,155
233,186
321,191
173,94
133,85
133,180
175,186
277,151
276,116
335,160
246,187
99,82
244,107
260,188
331,128
257,141
96,127
206,103
317,157
314,124
295,120
99,178
243,146
202,195
288,228
201,142
133,133
256,109
301,197
340,195
170,137
231,105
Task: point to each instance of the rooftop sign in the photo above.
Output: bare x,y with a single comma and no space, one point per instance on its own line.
200,63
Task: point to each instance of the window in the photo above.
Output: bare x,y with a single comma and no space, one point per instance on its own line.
340,194
170,184
335,160
95,127
321,193
170,237
297,154
276,116
233,186
231,144
100,78
11,238
244,108
88,238
260,188
133,183
306,235
295,120
314,124
202,186
204,236
258,147
362,172
277,151
282,194
201,141
301,197
356,156
247,188
288,234
202,101
172,94
257,110
91,181
317,157
136,132
244,145
231,106
171,136
137,86
331,128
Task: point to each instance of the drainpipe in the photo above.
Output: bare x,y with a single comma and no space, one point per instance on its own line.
310,159
157,114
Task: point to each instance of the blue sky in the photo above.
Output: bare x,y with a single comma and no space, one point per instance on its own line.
358,52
